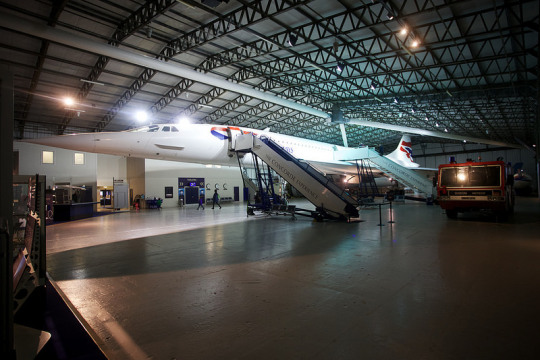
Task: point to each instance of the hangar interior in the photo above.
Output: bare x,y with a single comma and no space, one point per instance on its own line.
460,77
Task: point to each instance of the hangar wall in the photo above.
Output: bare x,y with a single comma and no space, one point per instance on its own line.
470,151
161,173
63,169
110,167
99,170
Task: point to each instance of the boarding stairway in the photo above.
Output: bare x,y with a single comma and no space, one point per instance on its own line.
367,187
248,182
330,201
407,176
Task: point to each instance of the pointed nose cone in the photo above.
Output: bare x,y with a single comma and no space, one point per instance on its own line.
80,142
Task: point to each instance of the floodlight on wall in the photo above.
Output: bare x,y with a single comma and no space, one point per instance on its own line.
340,66
293,39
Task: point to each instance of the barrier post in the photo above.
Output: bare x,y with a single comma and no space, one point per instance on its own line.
391,221
380,216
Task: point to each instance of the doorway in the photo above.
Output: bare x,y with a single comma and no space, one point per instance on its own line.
192,194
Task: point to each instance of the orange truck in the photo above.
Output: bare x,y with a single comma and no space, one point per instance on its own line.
475,186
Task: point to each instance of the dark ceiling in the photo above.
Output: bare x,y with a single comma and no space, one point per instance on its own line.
473,72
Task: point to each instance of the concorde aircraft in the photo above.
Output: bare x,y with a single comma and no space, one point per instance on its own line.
212,144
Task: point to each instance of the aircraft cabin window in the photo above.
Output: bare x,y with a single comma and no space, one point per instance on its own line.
174,129
153,128
166,128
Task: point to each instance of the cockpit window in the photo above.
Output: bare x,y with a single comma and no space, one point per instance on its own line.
154,128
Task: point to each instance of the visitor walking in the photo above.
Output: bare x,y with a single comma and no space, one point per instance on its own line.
215,199
201,203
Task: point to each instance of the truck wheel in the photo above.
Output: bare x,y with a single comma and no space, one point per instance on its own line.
452,214
512,203
501,216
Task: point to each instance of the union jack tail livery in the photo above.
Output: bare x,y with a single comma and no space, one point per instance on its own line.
403,153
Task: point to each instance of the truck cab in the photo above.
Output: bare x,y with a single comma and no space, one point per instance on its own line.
474,186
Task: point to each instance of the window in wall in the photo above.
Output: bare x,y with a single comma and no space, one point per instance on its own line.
47,157
78,158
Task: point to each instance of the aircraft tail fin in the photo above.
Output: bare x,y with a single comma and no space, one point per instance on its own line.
403,153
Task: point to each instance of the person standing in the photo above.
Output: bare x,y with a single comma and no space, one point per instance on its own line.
201,203
215,199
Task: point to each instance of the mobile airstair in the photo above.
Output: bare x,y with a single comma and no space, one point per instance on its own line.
331,201
407,176
367,187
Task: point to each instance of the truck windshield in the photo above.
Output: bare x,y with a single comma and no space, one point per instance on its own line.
471,176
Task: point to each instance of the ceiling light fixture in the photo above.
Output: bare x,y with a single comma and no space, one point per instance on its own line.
141,116
415,43
182,120
293,39
390,16
373,85
68,101
340,66
403,31
396,100
92,82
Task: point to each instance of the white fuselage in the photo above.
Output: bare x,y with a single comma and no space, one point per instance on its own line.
195,143
203,144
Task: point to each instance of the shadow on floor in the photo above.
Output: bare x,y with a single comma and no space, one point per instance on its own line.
45,310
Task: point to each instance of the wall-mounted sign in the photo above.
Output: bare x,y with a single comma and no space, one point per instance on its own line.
190,182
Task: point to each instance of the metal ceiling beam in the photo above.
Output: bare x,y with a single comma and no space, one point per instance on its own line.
225,24
138,19
56,10
78,42
406,129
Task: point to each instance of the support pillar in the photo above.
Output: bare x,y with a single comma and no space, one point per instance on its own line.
6,213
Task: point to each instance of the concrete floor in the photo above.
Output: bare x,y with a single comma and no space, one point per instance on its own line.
188,284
